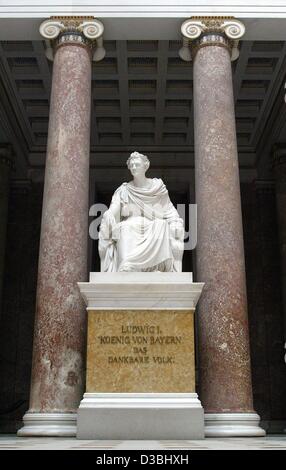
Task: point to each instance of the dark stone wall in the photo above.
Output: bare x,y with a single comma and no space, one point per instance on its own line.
264,302
18,303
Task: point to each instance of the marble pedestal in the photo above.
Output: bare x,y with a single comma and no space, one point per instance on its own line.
140,357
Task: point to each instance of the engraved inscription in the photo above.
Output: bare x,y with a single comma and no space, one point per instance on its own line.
141,338
140,351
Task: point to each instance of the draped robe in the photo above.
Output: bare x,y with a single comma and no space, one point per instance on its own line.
140,237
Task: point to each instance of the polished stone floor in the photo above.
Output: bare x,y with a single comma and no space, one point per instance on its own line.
271,442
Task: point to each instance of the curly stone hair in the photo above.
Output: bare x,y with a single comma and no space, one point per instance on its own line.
145,159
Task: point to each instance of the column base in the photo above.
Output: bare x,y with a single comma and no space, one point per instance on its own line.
48,424
233,425
140,416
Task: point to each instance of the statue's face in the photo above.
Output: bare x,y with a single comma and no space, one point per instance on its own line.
137,167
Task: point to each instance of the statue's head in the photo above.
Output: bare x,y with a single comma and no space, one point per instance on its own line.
137,162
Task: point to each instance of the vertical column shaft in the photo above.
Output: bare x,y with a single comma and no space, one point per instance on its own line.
225,374
60,326
57,378
225,362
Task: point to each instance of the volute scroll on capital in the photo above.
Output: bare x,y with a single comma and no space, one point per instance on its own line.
199,32
86,31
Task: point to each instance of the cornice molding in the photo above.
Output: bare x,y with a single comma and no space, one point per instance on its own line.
100,8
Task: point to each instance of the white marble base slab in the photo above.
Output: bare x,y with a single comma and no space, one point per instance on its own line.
140,416
143,290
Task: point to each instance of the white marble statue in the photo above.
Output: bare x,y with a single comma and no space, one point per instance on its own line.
141,230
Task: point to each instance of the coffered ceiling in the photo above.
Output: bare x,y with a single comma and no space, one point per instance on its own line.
141,99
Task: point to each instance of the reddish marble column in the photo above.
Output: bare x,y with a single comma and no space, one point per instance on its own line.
60,326
224,356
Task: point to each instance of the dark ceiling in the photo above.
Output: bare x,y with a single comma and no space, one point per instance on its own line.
141,98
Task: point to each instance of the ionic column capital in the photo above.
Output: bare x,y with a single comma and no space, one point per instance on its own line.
82,31
202,31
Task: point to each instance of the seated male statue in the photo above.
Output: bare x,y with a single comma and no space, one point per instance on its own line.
141,230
